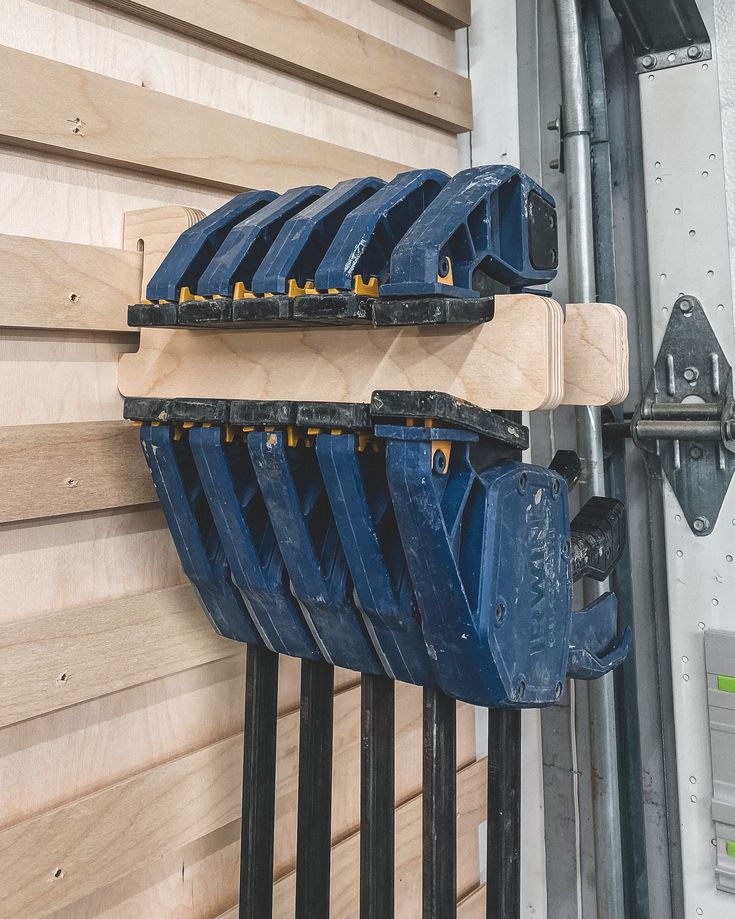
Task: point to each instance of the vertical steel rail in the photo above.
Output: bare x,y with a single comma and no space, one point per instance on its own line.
630,767
503,884
377,797
439,807
314,825
582,284
258,784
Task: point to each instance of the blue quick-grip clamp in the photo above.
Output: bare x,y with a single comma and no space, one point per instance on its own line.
195,536
292,488
489,556
490,229
228,479
304,239
363,514
247,243
370,232
423,551
197,245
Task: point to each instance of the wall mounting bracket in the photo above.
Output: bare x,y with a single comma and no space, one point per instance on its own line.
687,416
663,33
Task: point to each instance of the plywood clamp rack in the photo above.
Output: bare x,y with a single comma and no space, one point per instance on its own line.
328,387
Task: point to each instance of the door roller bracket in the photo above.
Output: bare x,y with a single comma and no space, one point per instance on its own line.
686,417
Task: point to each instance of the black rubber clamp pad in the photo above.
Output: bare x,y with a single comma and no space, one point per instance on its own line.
396,403
431,311
152,315
349,416
198,411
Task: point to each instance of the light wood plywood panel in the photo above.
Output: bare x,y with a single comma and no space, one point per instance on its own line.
473,906
328,52
484,364
51,470
596,370
154,232
454,13
53,285
88,116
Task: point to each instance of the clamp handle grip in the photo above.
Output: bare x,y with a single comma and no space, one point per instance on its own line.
598,538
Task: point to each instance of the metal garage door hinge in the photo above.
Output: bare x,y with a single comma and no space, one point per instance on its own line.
686,416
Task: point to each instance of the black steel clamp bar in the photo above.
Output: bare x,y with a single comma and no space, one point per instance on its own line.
377,797
259,784
439,826
314,828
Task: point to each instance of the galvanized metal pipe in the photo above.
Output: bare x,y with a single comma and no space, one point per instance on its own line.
582,289
668,430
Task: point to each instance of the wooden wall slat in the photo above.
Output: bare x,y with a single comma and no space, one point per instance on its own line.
51,860
106,835
168,887
473,906
197,881
101,649
60,376
49,470
58,758
55,285
65,562
327,52
116,644
454,13
114,737
88,116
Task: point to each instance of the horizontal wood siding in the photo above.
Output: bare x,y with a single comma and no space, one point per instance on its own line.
121,713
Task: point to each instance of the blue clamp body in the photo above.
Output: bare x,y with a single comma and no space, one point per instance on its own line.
297,504
247,243
304,239
370,232
490,560
490,228
363,514
195,537
195,247
421,552
228,479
